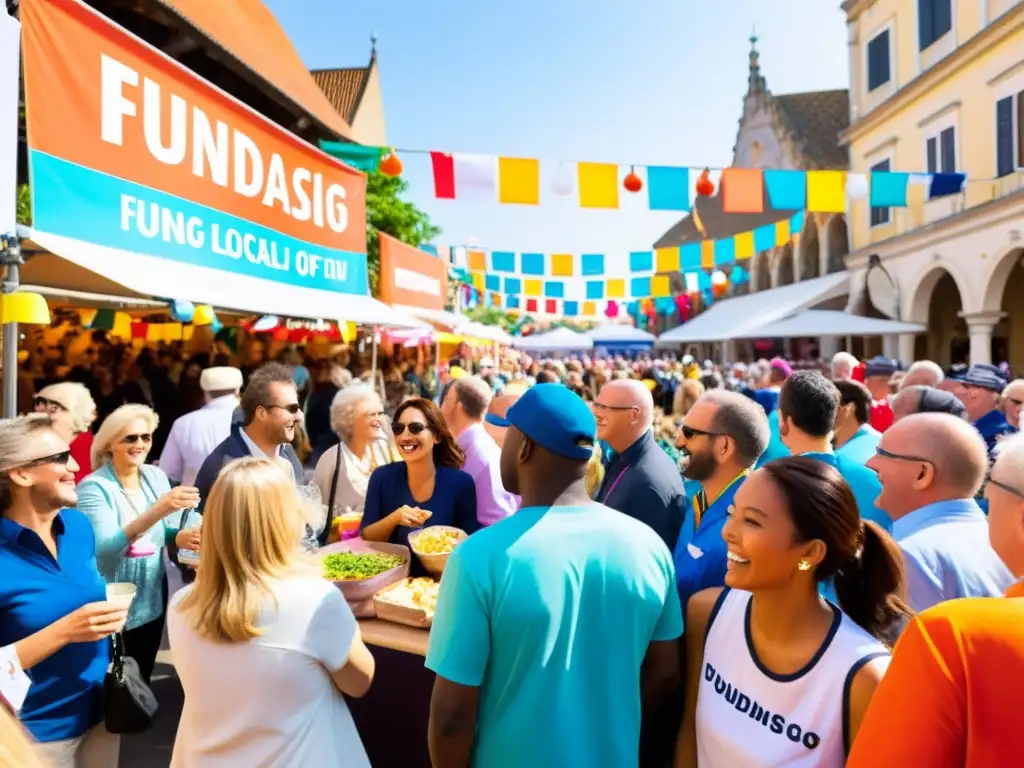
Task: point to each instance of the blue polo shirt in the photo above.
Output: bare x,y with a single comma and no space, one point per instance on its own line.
993,426
776,448
861,445
699,555
66,696
863,482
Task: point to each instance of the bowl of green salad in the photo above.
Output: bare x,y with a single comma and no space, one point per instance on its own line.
361,569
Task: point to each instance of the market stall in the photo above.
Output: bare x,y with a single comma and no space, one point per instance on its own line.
617,338
558,340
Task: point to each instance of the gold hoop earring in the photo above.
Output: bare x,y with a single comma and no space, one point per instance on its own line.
804,565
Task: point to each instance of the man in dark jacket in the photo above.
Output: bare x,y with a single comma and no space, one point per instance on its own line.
270,412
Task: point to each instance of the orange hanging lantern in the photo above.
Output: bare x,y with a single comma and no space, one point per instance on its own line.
632,182
705,186
390,165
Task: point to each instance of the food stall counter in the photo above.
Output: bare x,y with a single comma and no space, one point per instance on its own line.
384,634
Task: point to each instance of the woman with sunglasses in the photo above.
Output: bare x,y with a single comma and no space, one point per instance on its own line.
428,487
135,514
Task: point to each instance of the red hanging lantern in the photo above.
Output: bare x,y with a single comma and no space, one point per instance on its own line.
280,333
632,182
390,165
705,186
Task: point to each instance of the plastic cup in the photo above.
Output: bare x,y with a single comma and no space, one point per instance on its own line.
121,594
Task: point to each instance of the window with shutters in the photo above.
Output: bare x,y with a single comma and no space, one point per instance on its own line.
934,19
880,216
879,60
1010,134
941,150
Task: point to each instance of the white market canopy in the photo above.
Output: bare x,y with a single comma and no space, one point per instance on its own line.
618,333
747,316
558,340
485,332
74,265
828,323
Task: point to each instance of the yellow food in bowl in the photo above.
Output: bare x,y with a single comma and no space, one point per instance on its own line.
436,542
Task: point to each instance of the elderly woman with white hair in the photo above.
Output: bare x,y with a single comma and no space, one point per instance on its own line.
72,410
343,472
135,514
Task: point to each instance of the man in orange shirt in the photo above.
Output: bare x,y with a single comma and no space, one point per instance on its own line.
950,697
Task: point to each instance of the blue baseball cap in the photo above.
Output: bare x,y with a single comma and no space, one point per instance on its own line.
556,418
984,377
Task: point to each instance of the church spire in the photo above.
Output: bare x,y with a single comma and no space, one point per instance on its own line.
755,83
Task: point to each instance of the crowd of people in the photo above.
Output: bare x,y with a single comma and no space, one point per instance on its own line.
668,563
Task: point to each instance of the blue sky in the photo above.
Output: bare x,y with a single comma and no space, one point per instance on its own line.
646,82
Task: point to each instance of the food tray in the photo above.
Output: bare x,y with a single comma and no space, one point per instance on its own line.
359,594
434,564
398,613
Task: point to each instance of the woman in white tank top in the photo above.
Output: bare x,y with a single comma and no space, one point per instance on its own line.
776,675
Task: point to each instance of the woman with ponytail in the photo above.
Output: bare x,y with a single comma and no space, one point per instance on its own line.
776,674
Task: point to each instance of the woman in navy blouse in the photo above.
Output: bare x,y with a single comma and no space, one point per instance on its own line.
427,488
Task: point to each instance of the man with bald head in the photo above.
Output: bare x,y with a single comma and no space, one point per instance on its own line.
931,466
923,373
641,480
921,399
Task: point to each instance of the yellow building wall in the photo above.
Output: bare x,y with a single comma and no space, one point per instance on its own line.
368,126
965,98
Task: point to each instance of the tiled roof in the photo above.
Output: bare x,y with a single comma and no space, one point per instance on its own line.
816,120
343,88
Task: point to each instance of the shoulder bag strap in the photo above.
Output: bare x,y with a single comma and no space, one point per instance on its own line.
326,532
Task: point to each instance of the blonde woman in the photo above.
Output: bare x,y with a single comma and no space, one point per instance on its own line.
72,410
135,514
343,472
264,646
16,748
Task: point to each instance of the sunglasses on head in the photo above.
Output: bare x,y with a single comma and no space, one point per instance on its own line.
146,438
54,458
414,428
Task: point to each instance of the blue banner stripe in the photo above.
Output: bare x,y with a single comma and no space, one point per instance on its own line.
94,207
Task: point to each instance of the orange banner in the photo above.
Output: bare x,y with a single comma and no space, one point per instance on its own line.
99,98
411,277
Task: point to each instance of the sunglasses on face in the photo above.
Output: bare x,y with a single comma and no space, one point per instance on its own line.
292,408
48,405
1005,487
691,432
146,439
414,428
901,456
61,458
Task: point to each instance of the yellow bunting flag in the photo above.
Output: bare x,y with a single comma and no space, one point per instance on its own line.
476,261
173,331
533,287
782,235
599,185
615,288
191,329
744,245
589,308
707,254
496,299
349,331
660,286
561,264
826,191
122,326
518,180
666,259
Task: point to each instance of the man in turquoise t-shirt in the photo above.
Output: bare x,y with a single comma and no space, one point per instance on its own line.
551,623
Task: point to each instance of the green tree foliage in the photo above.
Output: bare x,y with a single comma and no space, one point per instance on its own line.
387,212
491,316
24,206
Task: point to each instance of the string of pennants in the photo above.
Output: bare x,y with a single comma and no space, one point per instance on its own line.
529,181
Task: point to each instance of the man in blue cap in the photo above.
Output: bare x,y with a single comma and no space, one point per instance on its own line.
981,386
546,618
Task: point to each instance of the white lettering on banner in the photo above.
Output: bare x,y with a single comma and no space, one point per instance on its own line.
232,159
152,221
408,280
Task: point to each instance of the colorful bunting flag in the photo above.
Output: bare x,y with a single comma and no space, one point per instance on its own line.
476,261
744,245
551,306
503,261
616,288
492,283
459,176
533,287
570,308
667,259
592,264
518,180
513,285
668,189
561,264
826,191
889,190
641,261
782,233
595,289
599,185
742,190
554,289
531,263
589,308
707,254
689,256
660,286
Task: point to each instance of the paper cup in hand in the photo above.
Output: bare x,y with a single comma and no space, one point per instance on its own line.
121,594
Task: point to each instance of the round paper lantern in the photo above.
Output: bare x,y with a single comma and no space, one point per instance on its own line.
563,182
718,290
182,311
203,315
632,182
280,333
705,186
390,165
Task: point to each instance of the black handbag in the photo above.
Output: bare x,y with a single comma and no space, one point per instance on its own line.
326,532
129,704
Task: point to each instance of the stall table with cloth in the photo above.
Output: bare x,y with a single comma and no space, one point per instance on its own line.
392,717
